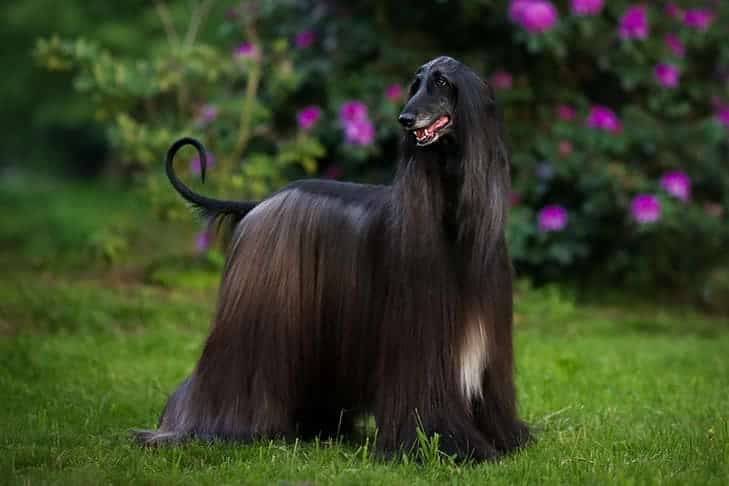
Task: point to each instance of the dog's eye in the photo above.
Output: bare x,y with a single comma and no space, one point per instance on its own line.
441,82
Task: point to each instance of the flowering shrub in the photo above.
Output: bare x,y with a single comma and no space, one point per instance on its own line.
618,113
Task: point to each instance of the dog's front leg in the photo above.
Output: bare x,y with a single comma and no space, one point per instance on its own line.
405,422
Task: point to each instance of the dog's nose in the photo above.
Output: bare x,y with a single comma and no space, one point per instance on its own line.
407,120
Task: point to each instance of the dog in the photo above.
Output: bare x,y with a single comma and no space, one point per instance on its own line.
340,299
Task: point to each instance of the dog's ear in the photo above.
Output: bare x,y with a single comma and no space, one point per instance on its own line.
484,159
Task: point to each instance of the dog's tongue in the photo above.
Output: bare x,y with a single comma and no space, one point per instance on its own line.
432,128
438,124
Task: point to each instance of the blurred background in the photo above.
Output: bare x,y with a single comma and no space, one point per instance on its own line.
617,114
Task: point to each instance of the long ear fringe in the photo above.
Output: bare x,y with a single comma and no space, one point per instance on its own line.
485,164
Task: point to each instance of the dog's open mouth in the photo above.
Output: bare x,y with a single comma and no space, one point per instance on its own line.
427,135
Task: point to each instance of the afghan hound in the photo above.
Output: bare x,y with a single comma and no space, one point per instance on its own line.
341,299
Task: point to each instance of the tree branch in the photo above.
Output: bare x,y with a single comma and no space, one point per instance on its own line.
198,17
169,26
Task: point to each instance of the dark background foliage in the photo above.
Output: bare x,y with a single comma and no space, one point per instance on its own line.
104,88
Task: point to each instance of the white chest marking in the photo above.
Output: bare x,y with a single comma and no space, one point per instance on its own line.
473,360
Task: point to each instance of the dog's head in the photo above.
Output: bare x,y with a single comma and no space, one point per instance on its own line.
444,94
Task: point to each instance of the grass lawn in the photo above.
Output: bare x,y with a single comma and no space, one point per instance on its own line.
617,394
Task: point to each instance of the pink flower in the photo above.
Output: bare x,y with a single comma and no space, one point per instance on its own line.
552,218
393,93
666,75
501,80
195,166
206,114
722,115
358,129
698,18
674,11
247,50
674,44
517,8
645,208
202,240
677,184
304,39
565,148
359,132
566,113
603,118
308,116
352,111
634,23
539,17
586,7
533,15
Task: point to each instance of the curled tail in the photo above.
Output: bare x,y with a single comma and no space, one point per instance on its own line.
209,209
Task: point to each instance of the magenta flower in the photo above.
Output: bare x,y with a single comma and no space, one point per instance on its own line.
202,240
552,218
645,208
517,8
308,116
666,75
566,113
304,39
358,129
603,118
698,18
722,115
533,15
634,23
206,114
393,93
247,50
674,11
195,166
501,80
352,111
539,16
586,7
565,148
674,44
359,132
677,184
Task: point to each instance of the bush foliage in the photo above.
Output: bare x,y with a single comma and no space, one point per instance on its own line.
618,112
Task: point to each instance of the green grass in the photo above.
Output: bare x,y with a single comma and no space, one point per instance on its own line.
624,394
